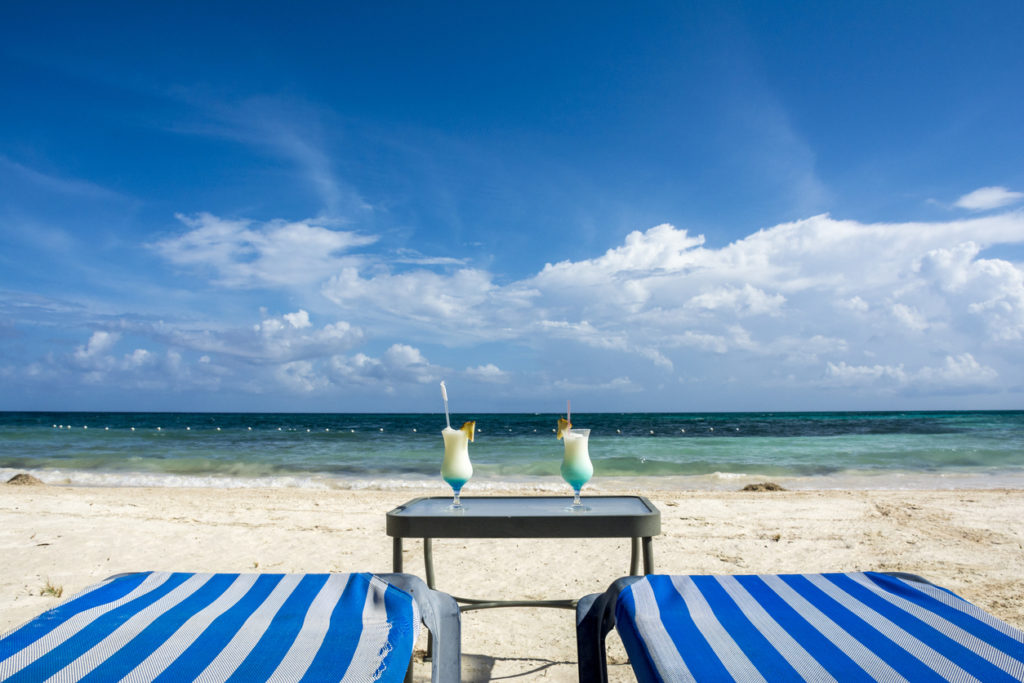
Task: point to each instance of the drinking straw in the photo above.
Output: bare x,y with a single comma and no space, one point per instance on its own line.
444,395
568,411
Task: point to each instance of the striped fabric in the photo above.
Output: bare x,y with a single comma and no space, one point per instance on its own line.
219,627
811,627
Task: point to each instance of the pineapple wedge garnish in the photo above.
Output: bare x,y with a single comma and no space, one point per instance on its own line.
469,428
563,426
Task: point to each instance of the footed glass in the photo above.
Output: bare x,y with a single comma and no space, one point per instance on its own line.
576,466
456,469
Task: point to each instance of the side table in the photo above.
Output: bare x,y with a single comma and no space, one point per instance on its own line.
632,517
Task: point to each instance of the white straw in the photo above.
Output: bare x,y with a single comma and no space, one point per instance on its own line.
444,395
568,411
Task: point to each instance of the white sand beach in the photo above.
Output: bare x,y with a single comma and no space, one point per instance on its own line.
971,541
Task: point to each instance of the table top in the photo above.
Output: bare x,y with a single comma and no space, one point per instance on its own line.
525,517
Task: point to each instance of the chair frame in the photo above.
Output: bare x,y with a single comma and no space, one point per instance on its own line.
440,614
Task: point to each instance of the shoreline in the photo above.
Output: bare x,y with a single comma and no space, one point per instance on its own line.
723,482
968,540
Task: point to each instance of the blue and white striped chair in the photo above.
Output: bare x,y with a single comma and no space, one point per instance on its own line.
798,627
163,626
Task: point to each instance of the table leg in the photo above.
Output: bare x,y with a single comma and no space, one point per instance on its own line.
648,555
634,557
428,568
428,561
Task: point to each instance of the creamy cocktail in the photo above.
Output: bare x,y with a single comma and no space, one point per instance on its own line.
456,469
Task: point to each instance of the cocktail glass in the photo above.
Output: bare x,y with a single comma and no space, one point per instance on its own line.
576,466
456,469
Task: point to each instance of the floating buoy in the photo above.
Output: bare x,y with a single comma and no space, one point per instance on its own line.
414,429
133,429
250,429
683,431
85,426
382,429
711,429
351,431
278,429
188,429
54,426
307,431
218,429
327,429
106,429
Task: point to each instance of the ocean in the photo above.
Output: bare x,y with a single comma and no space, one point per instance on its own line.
644,451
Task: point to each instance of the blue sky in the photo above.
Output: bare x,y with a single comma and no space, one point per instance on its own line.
332,207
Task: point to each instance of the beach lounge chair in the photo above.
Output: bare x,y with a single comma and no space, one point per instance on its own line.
812,627
240,627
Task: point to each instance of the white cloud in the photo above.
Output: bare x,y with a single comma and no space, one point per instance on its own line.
584,333
624,276
488,373
704,342
860,375
97,363
984,293
242,254
909,317
745,300
137,359
957,372
292,337
616,384
298,320
462,298
399,364
411,256
286,350
301,376
806,350
985,198
99,343
855,304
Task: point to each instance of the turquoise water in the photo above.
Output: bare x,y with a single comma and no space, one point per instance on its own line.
645,450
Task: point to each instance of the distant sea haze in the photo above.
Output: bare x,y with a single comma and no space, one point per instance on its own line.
884,450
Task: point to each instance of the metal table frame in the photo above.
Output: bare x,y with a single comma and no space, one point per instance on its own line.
537,517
